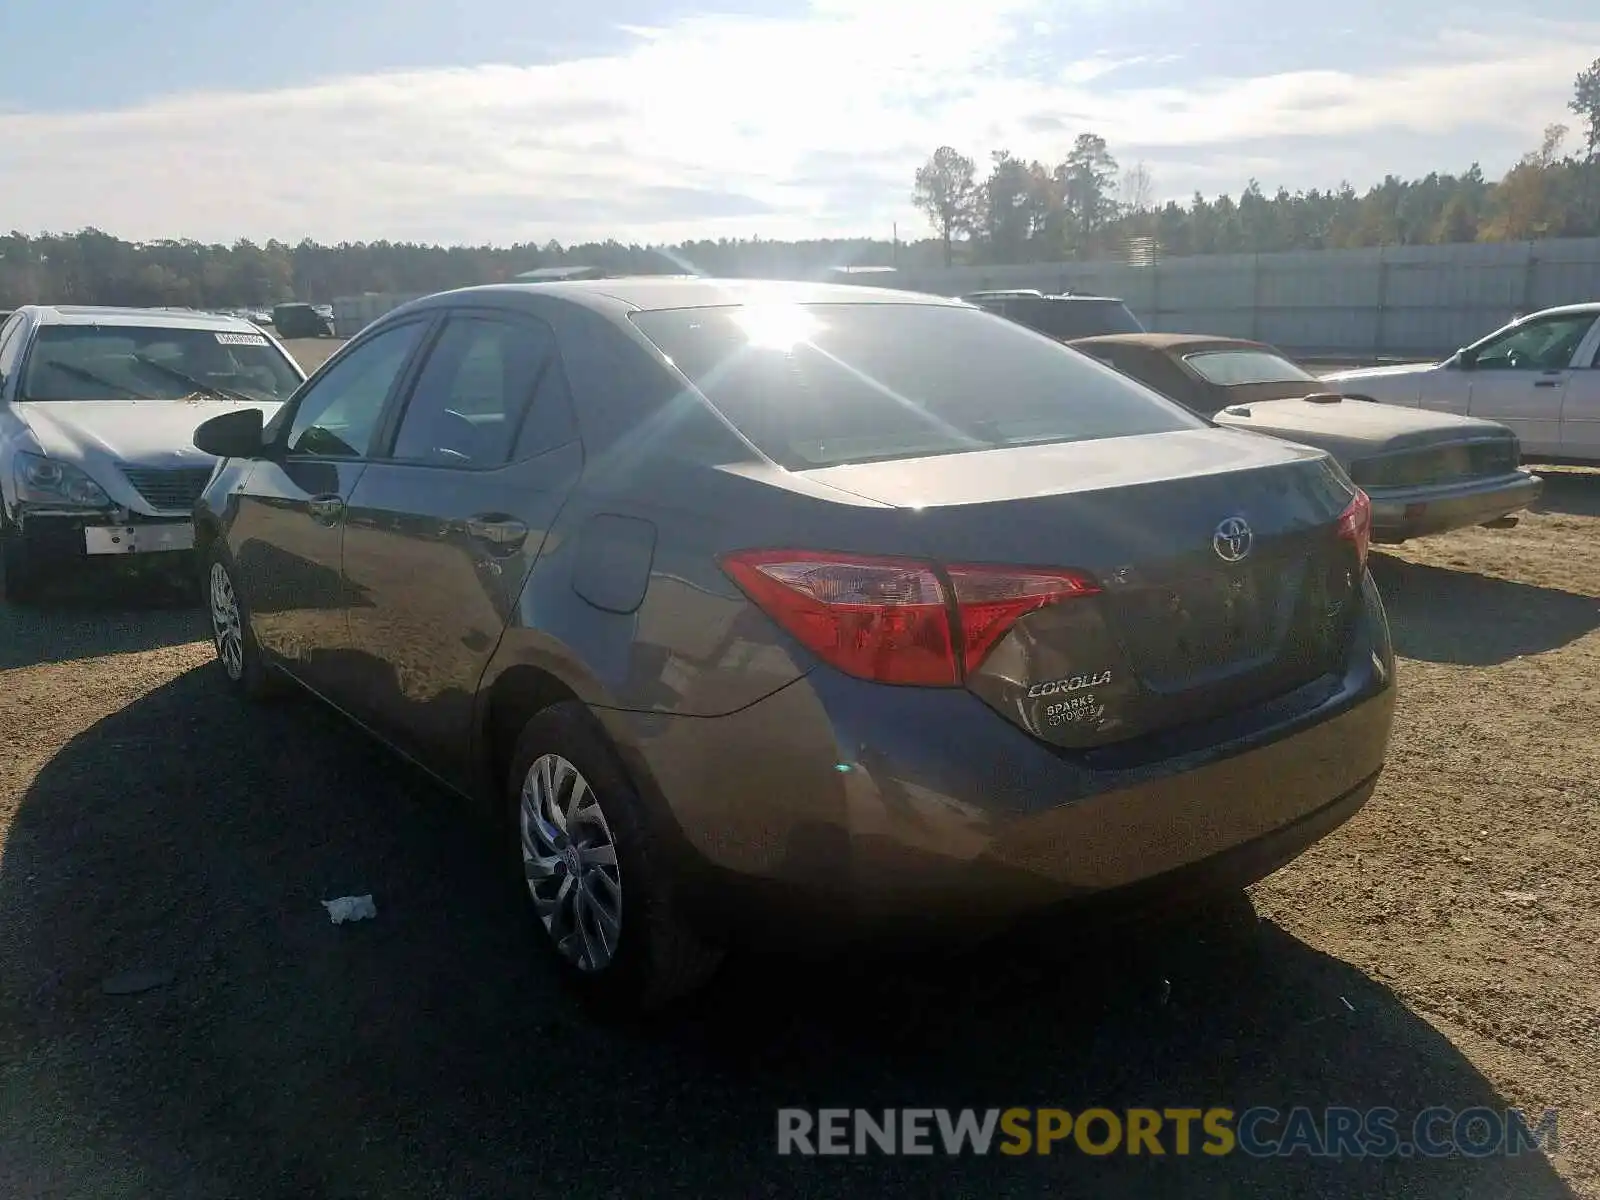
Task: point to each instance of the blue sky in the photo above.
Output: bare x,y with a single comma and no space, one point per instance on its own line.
649,120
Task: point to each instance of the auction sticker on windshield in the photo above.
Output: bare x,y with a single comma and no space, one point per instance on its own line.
241,339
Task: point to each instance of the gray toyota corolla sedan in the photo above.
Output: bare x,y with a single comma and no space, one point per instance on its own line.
769,610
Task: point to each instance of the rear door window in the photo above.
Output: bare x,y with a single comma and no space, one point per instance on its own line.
824,384
474,393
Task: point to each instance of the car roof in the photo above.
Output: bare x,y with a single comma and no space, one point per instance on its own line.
647,293
1589,308
148,318
1173,343
1034,294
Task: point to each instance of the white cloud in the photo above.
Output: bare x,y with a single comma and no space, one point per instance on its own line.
730,126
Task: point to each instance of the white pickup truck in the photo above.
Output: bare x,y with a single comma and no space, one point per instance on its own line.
98,408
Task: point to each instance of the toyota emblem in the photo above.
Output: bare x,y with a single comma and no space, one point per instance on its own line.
1232,539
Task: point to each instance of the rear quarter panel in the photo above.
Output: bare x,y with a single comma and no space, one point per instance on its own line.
629,606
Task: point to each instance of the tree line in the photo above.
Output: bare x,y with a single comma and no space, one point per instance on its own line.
1086,206
93,267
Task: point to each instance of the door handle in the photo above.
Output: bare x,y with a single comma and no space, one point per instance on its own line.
326,510
1547,383
502,534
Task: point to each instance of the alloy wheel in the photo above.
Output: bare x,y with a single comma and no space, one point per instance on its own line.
569,859
225,623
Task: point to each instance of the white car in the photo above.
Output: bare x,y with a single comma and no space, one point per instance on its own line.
98,408
1539,376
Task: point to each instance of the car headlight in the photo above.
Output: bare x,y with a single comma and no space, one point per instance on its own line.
49,481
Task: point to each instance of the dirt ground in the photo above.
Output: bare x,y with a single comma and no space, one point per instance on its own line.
1443,948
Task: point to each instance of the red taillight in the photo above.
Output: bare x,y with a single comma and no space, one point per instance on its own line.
878,618
990,600
1355,524
895,620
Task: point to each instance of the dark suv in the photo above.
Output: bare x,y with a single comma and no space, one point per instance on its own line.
1063,317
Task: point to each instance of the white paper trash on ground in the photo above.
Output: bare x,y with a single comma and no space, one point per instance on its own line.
350,908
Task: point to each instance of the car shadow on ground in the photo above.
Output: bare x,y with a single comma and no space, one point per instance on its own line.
430,1052
1438,614
108,613
1571,491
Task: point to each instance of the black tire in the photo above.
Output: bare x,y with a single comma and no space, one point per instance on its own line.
658,956
246,670
22,574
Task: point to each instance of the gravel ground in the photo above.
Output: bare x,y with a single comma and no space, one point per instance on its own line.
1441,949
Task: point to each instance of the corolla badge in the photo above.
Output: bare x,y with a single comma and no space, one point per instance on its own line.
1232,539
1072,683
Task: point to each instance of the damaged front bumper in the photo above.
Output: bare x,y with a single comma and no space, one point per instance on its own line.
62,535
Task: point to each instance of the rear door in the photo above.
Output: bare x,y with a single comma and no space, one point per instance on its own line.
1518,378
444,528
289,527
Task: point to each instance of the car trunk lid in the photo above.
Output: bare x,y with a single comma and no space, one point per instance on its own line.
1221,577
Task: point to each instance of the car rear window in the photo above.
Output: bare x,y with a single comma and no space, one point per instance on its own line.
1076,318
825,384
1230,368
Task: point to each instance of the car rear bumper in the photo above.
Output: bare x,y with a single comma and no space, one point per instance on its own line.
837,807
1400,513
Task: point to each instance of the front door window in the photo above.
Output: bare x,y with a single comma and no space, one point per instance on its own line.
338,416
1547,344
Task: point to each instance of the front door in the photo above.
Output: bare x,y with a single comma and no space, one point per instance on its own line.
443,529
286,536
1518,378
1580,403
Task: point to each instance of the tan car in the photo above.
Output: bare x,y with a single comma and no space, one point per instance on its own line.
1425,472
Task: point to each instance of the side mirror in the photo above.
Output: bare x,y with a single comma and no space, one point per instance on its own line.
1465,358
232,435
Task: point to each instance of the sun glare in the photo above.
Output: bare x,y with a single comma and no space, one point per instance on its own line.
777,326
